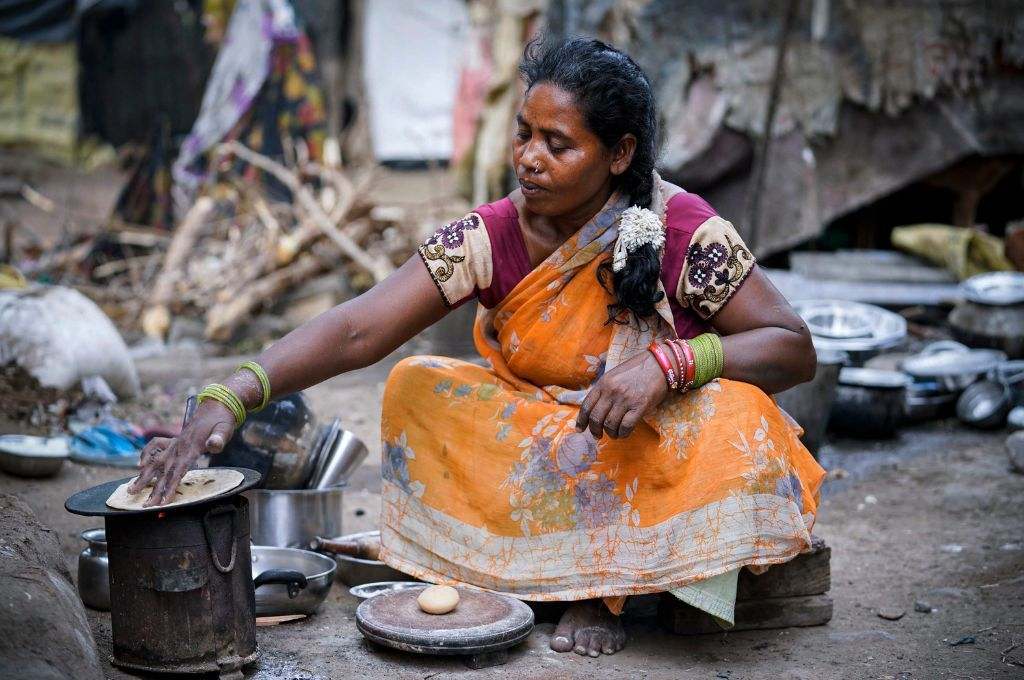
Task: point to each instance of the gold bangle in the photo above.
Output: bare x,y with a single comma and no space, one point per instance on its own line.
225,396
264,380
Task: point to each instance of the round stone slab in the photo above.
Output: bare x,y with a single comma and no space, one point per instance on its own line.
483,622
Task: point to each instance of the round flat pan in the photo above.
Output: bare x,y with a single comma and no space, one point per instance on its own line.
93,502
482,622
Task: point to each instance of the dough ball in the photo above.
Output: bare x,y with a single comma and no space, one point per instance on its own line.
438,599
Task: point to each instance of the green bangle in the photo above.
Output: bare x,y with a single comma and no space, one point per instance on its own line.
264,380
708,357
225,396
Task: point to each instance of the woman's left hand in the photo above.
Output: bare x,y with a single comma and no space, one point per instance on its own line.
621,397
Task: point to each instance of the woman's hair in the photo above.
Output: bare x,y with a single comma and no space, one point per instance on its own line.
615,98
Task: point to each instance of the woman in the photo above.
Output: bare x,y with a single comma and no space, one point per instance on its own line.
583,464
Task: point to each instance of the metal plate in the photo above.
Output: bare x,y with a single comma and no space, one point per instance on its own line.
953,363
995,288
482,622
93,502
368,590
874,378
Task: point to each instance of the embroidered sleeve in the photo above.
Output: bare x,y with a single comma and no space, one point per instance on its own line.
717,262
458,257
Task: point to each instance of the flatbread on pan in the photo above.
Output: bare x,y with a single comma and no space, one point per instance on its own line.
196,485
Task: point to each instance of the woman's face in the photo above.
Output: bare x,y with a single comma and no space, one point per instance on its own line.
561,165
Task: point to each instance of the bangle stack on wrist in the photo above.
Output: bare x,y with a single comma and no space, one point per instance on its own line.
261,375
700,361
225,396
666,365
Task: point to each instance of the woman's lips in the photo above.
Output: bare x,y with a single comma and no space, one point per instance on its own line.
530,189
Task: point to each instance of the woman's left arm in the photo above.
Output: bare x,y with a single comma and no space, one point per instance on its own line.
765,342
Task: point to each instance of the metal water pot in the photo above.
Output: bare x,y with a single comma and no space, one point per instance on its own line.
94,571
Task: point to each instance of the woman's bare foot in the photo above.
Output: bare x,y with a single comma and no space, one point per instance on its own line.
588,628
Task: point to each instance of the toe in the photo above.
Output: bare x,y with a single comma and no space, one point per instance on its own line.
562,638
582,642
598,640
561,643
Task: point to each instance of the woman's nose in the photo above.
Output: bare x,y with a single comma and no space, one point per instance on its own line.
530,158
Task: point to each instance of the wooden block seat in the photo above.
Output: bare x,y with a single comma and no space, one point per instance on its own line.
791,594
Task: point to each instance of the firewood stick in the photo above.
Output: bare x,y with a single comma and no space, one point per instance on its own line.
378,268
224,317
156,319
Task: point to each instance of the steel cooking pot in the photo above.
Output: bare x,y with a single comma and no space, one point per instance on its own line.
290,581
292,518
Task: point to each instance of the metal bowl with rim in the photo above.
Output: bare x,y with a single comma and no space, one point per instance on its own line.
995,288
984,405
29,456
851,326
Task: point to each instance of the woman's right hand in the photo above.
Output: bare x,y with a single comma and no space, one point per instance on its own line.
164,461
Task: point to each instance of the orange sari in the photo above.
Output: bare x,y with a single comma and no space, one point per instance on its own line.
488,483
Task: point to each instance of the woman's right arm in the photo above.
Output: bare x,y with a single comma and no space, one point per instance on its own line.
352,335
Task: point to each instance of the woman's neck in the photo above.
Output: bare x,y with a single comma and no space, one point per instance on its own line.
561,227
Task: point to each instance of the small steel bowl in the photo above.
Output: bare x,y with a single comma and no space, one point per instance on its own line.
984,405
27,456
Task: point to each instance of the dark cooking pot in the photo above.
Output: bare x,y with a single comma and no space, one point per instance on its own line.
994,327
869,403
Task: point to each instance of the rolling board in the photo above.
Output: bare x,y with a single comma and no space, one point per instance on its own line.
481,629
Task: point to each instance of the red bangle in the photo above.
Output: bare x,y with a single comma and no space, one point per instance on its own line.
666,366
680,362
691,365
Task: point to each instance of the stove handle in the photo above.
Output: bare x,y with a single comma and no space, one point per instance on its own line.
222,510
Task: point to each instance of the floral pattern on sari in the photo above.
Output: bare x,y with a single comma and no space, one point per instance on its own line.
553,486
395,466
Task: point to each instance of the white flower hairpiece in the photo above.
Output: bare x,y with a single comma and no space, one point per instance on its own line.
637,227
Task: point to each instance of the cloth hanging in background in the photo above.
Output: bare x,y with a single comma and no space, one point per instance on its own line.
146,198
964,252
263,41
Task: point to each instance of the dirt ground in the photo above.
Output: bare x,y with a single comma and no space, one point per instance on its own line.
934,517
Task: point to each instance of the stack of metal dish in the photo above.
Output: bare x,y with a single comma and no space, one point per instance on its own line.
977,381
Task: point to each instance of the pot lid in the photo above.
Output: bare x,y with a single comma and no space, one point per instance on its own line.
995,288
93,502
851,326
873,377
953,363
